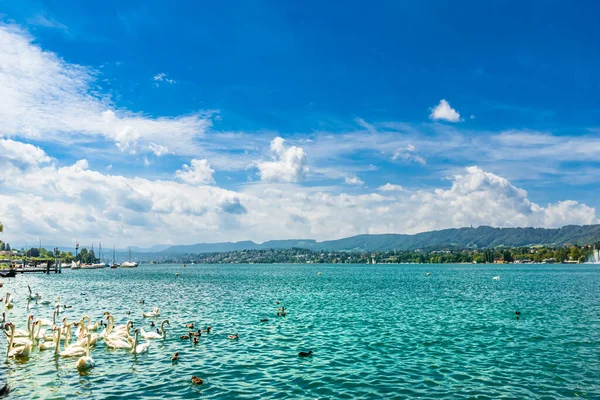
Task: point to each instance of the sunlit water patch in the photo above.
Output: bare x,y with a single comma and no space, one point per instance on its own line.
377,331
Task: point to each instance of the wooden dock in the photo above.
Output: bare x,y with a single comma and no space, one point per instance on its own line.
50,266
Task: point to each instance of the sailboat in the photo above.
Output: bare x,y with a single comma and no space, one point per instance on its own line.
75,265
129,264
100,264
114,264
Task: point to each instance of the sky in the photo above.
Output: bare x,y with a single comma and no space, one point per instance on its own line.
157,122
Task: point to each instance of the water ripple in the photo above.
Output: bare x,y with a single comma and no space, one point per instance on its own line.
376,332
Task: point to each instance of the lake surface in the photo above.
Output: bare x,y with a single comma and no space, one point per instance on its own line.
377,331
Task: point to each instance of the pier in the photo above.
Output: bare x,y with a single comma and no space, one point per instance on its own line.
41,266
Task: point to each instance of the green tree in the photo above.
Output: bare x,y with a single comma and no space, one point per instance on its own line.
8,247
33,252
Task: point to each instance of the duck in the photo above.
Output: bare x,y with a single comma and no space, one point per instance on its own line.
305,353
156,335
497,278
175,357
233,337
184,337
264,320
4,390
152,324
196,340
139,348
428,274
197,334
207,330
282,313
190,326
197,381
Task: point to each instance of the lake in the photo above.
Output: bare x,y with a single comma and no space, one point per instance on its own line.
377,331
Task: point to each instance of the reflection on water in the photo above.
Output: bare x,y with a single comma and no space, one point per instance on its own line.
376,331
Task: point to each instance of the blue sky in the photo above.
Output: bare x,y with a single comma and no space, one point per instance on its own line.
140,89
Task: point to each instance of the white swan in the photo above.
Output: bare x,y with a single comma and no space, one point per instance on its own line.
41,333
155,335
7,301
118,344
22,341
139,348
48,344
121,331
47,322
87,338
497,278
153,313
21,332
31,296
86,362
17,352
73,351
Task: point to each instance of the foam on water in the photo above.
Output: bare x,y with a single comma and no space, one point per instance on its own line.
377,331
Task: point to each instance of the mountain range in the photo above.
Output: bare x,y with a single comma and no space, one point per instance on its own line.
480,237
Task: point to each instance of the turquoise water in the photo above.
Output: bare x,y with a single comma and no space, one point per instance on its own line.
377,331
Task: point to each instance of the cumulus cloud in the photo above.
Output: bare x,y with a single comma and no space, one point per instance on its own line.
146,211
199,172
388,187
289,164
408,154
47,99
21,154
443,111
353,180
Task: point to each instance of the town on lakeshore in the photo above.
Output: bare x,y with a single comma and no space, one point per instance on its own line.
376,250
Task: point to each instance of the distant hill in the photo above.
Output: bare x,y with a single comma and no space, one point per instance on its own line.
481,237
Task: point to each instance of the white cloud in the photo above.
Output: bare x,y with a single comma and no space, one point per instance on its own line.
388,187
84,204
21,154
289,165
445,112
47,99
408,153
158,150
199,172
162,77
353,180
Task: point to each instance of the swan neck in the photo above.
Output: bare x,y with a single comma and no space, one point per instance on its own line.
59,332
12,339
